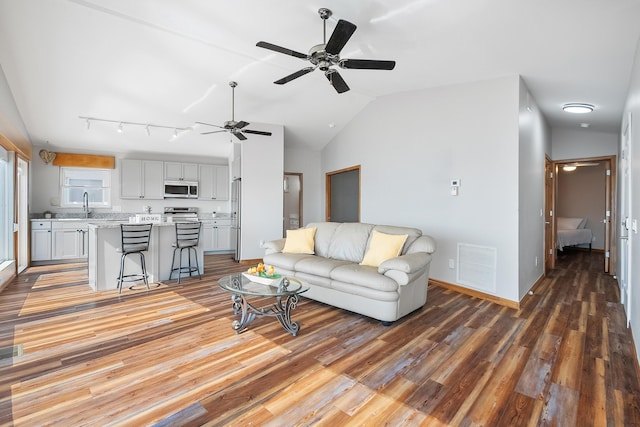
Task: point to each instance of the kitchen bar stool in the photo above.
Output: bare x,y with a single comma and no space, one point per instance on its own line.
134,239
187,237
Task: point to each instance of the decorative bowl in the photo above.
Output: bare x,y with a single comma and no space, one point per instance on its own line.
264,278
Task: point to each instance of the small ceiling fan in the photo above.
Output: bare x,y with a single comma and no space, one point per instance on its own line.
231,126
327,55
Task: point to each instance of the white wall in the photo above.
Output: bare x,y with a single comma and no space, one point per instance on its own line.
410,146
262,192
633,106
11,125
534,143
307,162
582,143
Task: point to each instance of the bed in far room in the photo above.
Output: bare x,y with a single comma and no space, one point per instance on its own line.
573,232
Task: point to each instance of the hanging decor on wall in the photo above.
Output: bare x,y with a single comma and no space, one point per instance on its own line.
47,156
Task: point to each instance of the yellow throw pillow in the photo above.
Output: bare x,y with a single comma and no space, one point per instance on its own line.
300,241
383,247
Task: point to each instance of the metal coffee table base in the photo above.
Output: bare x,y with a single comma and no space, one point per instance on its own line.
278,310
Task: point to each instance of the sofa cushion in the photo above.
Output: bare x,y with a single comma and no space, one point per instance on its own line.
365,276
349,241
319,266
324,234
383,247
299,241
286,261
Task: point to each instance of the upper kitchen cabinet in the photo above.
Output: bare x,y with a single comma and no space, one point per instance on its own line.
174,171
213,182
141,179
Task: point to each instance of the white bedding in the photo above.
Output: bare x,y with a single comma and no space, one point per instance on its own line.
581,236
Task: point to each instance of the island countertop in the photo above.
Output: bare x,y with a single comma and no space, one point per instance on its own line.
104,257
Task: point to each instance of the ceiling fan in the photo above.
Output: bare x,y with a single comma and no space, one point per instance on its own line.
327,55
231,126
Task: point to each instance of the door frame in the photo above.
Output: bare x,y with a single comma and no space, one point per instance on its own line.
610,245
549,223
328,189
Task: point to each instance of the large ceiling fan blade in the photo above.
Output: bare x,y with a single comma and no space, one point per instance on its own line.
209,124
213,131
294,76
340,36
281,49
337,81
240,136
257,132
367,64
241,124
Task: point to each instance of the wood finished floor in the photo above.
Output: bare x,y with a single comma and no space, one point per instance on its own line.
169,357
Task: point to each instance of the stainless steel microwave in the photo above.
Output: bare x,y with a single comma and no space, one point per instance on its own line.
180,189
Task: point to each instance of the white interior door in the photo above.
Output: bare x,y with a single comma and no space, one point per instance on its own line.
624,276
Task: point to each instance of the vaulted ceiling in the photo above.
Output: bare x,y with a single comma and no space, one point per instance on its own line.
169,63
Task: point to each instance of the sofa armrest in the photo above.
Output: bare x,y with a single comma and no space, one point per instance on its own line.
409,263
423,243
273,246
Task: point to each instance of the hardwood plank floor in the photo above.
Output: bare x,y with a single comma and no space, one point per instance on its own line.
169,357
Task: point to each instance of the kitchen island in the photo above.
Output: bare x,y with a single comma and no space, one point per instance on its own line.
104,258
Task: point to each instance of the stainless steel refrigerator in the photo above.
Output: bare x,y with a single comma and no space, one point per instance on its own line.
236,224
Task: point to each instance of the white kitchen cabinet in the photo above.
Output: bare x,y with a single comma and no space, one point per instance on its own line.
69,240
141,179
175,171
216,235
41,241
213,182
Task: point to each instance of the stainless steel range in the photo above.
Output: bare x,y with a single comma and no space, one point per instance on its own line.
181,214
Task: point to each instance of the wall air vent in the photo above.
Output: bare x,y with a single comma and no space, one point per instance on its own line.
477,267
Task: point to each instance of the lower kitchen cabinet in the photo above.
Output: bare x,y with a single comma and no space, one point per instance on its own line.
41,241
57,240
216,235
69,240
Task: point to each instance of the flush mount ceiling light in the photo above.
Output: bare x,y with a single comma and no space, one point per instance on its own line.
578,108
569,168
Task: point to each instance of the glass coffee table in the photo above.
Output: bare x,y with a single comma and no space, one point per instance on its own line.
284,291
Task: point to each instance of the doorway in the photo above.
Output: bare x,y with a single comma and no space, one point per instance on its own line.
292,212
584,189
343,195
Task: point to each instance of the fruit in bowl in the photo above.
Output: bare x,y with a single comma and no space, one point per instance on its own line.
263,271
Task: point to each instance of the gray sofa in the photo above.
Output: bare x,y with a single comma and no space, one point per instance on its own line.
394,289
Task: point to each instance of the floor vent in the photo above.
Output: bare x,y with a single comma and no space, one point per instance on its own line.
9,352
477,266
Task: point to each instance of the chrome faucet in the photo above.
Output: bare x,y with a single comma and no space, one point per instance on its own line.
85,204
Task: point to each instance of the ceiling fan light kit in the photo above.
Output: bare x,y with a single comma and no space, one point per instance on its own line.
326,56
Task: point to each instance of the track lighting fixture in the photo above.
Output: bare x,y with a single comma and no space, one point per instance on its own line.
147,126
